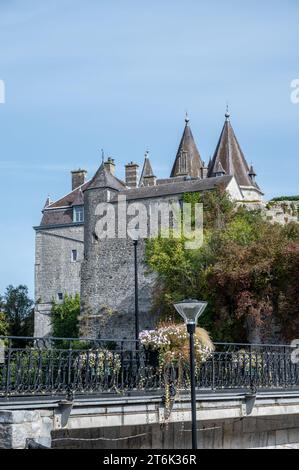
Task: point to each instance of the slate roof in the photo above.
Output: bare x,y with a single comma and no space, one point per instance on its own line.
187,148
170,180
79,199
70,198
177,187
105,179
229,154
57,217
147,170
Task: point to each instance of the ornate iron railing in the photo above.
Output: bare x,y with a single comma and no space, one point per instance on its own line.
57,366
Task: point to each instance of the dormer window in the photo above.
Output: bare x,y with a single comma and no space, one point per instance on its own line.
78,214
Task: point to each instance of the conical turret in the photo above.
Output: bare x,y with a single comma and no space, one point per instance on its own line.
228,153
187,161
147,177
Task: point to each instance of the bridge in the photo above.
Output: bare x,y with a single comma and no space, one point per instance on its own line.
114,394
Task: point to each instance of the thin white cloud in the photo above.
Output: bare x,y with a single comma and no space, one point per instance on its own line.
15,165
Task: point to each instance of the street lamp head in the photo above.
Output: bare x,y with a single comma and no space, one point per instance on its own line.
190,310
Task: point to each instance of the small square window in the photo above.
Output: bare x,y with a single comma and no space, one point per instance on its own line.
60,296
74,256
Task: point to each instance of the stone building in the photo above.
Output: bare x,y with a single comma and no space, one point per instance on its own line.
71,258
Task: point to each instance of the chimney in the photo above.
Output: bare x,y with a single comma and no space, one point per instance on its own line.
78,178
110,165
204,170
132,175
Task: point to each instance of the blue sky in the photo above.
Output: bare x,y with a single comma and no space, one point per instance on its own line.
119,75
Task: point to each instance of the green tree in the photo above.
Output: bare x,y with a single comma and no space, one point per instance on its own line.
65,317
4,326
18,310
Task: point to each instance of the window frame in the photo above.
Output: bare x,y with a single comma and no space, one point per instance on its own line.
78,214
74,259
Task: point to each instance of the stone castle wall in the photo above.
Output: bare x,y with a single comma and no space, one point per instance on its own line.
107,281
281,212
55,272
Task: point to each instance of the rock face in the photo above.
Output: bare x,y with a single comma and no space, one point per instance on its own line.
282,212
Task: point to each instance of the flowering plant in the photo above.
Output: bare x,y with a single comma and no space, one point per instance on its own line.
171,341
100,361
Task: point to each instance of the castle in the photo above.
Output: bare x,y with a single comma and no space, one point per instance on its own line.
71,259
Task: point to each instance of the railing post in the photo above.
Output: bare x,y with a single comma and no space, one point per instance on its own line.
8,369
250,369
70,394
213,370
285,367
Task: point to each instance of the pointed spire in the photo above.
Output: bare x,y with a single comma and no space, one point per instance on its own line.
251,171
147,171
227,115
228,152
48,202
187,161
252,174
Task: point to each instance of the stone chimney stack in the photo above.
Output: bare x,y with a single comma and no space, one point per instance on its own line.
204,170
110,165
78,178
132,175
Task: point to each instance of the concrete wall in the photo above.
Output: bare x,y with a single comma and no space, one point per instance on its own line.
239,433
54,270
224,421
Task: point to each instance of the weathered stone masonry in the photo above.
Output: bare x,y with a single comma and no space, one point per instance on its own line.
55,272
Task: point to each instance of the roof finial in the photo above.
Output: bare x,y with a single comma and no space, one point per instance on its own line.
103,155
146,153
227,115
186,118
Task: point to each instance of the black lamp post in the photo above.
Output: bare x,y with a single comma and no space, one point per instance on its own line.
190,310
136,294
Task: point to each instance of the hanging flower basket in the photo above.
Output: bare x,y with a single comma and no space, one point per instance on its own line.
168,349
171,342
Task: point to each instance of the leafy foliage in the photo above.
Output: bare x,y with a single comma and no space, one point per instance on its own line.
18,311
247,269
4,326
65,317
285,198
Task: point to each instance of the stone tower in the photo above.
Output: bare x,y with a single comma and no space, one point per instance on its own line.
107,275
